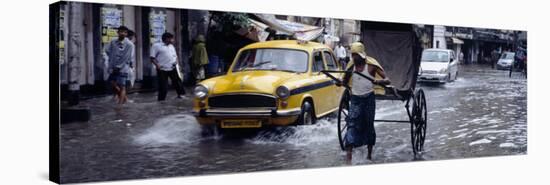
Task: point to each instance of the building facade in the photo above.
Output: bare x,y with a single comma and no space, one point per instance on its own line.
83,30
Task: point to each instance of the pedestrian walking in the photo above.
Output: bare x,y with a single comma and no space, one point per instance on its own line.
341,54
121,55
360,121
131,36
461,57
199,58
494,58
164,57
132,72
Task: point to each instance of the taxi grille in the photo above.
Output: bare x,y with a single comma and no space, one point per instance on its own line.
241,101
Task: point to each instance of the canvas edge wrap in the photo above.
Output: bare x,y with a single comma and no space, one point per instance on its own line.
54,96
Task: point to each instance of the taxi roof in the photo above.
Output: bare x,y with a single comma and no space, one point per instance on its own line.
291,44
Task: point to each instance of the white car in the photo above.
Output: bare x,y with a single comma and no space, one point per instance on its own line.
506,60
438,65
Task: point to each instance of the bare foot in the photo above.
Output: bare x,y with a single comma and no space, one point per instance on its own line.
349,152
369,155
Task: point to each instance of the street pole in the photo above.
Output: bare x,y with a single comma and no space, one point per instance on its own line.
74,50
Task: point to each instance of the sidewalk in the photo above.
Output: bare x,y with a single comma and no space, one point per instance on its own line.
140,103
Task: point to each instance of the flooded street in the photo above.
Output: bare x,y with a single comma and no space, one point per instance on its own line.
483,113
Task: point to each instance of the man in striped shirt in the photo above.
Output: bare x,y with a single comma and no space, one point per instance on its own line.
121,54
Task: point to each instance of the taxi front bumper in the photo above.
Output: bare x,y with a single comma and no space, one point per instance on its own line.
266,116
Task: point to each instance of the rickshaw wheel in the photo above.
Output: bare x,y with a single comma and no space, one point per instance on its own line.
343,112
418,121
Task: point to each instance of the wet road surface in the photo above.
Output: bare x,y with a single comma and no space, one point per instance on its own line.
483,113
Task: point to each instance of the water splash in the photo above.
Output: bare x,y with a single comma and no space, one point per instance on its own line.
172,129
324,131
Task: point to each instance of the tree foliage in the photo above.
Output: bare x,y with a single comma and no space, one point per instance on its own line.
229,21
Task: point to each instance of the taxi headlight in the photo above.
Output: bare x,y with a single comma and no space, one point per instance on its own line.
444,70
282,92
200,92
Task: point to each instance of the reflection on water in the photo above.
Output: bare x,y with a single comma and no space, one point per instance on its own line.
483,113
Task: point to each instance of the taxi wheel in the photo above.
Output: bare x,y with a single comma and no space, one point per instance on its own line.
306,117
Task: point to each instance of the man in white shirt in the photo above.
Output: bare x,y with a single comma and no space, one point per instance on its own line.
164,57
341,54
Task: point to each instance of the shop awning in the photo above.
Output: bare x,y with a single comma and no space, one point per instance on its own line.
299,30
457,40
330,38
255,31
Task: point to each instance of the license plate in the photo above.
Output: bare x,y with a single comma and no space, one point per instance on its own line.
241,124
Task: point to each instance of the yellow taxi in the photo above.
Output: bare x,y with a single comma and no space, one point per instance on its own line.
272,83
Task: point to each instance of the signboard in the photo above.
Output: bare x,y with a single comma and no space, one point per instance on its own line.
61,41
111,18
157,24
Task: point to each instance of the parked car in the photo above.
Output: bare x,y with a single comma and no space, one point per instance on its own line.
270,83
506,60
438,65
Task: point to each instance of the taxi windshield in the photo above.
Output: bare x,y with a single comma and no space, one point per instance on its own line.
288,60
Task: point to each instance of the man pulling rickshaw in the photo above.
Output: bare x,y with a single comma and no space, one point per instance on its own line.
360,130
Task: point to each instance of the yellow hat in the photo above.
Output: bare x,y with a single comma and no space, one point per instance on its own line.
359,48
200,38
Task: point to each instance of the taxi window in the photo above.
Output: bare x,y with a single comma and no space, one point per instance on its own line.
331,65
318,64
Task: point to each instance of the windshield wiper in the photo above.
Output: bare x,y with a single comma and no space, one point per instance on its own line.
253,67
260,64
285,70
274,69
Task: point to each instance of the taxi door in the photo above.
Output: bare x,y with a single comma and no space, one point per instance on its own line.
332,65
321,84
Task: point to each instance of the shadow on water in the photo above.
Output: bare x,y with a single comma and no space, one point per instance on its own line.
274,133
76,126
432,84
418,157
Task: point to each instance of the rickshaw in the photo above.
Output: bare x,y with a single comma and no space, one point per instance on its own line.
398,50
